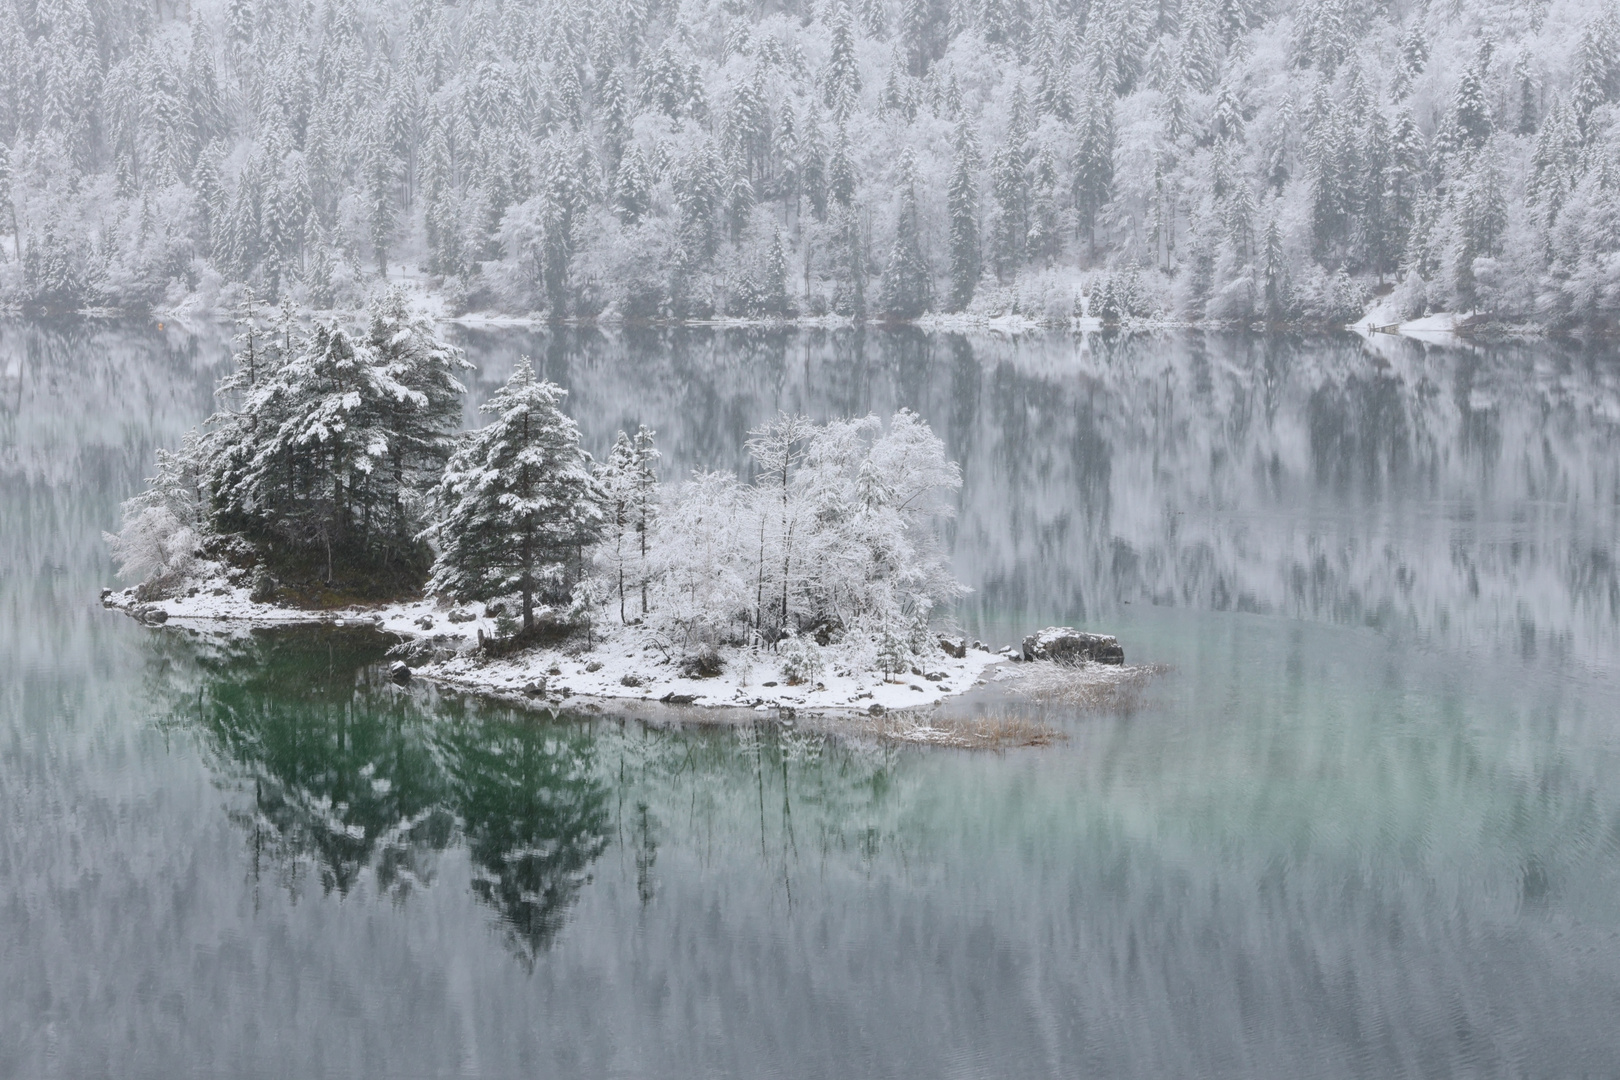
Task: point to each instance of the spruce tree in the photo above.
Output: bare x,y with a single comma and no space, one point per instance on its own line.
1402,179
773,292
421,421
1413,58
1380,245
633,187
841,178
613,111
316,448
813,166
908,284
1471,110
1275,289
698,193
1044,240
841,80
962,200
1009,186
1094,162
518,501
381,175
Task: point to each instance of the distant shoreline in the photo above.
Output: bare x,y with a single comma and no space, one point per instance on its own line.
1437,327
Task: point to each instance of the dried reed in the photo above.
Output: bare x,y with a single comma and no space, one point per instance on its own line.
998,729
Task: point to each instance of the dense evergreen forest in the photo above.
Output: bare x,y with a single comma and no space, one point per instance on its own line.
656,159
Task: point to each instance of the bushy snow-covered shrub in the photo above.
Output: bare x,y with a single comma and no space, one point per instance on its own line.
161,533
1331,298
801,661
154,545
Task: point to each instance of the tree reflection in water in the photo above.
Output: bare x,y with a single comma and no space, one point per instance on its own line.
534,815
343,778
357,780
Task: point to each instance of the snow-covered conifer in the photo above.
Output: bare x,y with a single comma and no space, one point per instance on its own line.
518,503
313,472
1094,161
422,420
908,283
963,199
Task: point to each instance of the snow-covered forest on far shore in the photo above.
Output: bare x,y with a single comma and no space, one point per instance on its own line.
1217,160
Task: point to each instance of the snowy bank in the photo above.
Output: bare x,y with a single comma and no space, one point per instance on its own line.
623,663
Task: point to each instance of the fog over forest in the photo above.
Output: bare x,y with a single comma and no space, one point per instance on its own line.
1217,160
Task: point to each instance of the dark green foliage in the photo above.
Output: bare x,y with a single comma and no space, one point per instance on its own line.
518,502
332,442
369,788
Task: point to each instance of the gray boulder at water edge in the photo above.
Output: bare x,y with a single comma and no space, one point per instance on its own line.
1070,646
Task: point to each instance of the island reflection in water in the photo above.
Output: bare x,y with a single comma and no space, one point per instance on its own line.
336,775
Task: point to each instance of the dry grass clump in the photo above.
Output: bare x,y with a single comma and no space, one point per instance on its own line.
1114,687
998,729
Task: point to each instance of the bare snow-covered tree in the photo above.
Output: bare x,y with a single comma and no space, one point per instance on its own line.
837,539
629,482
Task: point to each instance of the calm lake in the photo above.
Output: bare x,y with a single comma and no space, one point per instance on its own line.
1367,825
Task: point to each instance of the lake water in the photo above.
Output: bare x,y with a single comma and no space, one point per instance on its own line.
1367,825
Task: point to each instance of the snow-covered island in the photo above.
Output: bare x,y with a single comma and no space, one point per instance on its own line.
632,663
332,486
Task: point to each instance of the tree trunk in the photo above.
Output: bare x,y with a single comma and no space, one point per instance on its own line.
641,532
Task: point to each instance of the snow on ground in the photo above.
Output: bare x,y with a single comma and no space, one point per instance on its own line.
1440,323
749,678
1383,318
602,667
964,323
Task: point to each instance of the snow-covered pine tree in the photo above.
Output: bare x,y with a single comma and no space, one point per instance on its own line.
773,290
1094,162
1009,186
518,502
841,79
1045,239
382,171
1275,288
1479,218
699,192
1414,56
908,283
308,465
422,421
633,187
962,199
1470,122
841,176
